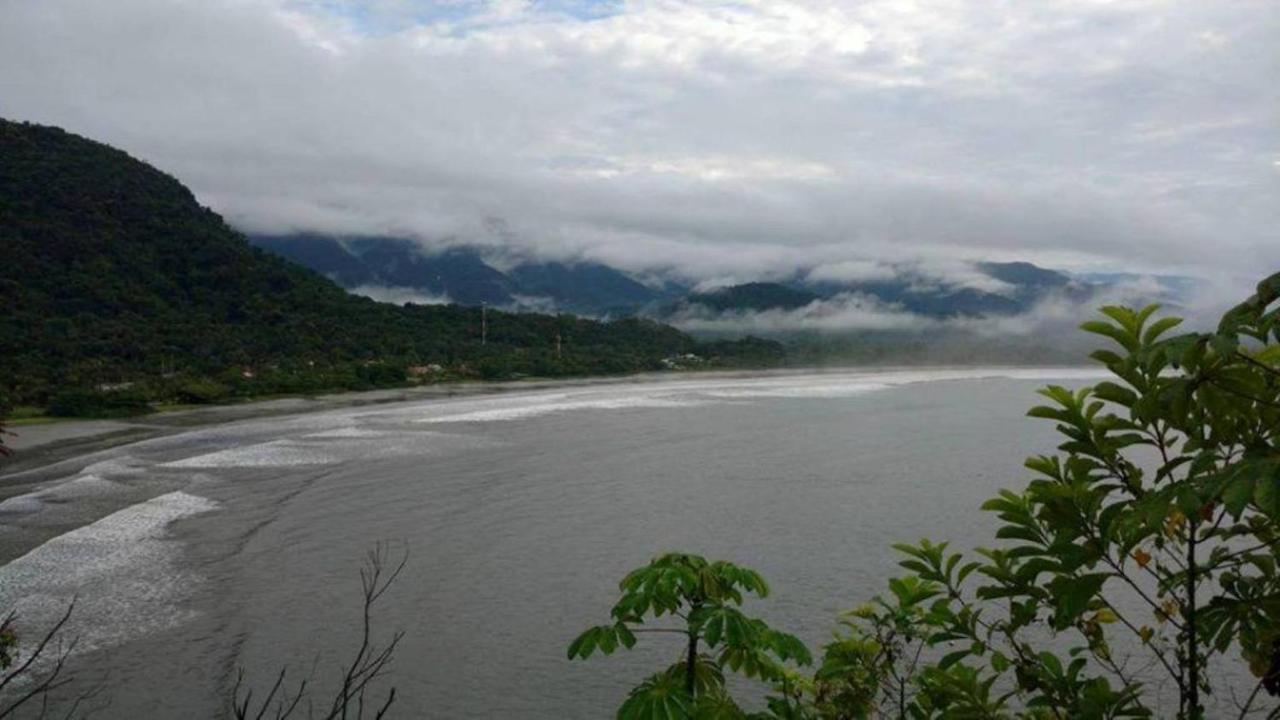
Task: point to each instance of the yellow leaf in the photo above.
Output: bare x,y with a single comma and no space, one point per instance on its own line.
1141,557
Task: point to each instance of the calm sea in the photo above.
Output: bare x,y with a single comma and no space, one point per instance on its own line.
239,545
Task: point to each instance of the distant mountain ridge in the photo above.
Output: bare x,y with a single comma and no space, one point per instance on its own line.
753,296
114,276
461,274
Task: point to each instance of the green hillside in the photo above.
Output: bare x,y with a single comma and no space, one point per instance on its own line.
112,274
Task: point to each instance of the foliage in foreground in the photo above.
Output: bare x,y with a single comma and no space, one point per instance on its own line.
1141,553
705,599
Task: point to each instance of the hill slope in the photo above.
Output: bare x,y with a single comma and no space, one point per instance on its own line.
755,296
583,287
112,272
461,275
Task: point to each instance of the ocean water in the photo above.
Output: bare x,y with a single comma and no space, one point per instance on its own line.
238,546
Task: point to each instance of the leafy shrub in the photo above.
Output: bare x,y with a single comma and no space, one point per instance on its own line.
202,391
99,404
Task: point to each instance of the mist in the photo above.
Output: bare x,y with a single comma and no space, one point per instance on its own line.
714,141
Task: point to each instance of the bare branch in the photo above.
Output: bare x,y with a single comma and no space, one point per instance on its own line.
44,684
367,664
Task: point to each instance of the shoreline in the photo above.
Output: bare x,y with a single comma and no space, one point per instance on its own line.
46,443
50,454
40,445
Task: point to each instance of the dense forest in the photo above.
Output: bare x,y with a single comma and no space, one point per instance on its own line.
120,289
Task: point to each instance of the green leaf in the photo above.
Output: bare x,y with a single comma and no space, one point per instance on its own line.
1072,595
952,658
585,644
1159,328
661,697
625,636
1265,495
1122,338
1237,493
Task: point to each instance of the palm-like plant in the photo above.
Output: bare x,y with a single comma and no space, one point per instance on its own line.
704,598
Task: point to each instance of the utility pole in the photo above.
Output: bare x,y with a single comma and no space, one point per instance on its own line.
484,323
557,346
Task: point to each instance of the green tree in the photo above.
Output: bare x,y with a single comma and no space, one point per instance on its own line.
1149,540
704,598
1154,529
1153,532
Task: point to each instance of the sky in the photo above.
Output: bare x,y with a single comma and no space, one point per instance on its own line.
719,141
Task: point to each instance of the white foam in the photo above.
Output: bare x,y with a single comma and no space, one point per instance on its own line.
120,570
28,503
123,465
687,392
278,453
520,412
87,485
345,433
829,390
838,385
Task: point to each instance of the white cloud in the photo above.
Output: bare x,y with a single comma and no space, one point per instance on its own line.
1056,316
751,138
843,313
400,295
853,271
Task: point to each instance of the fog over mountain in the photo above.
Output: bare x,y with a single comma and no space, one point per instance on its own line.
723,142
974,300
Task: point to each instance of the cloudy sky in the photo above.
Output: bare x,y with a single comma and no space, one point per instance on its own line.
721,139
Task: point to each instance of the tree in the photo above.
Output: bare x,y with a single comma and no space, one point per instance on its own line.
1151,539
704,597
5,451
1152,533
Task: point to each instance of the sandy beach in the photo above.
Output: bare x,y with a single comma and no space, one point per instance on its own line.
44,444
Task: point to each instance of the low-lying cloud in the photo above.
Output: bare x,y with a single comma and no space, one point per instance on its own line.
399,295
744,138
1055,314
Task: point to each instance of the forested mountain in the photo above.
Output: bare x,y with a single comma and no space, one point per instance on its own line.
461,275
112,273
321,253
388,266
584,286
1010,288
751,296
1023,285
456,275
